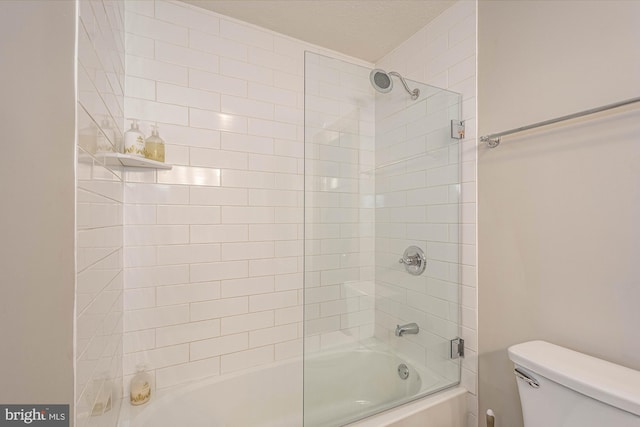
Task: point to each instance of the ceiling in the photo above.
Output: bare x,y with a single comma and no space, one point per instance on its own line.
365,29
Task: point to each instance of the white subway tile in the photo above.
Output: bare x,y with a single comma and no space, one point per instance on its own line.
155,317
156,111
143,193
294,116
142,277
247,179
246,34
266,58
158,30
288,315
174,214
241,251
247,286
191,292
141,7
180,95
248,143
462,70
186,57
265,197
155,359
140,235
289,215
287,282
264,163
138,341
218,346
273,335
139,298
271,129
259,267
246,71
217,45
155,70
190,137
182,14
192,371
288,248
218,196
246,322
139,214
139,256
136,87
272,94
220,308
188,254
218,271
246,215
273,300
289,81
246,107
218,159
188,332
219,233
217,83
187,175
268,232
217,121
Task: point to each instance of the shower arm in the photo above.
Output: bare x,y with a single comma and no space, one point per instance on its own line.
414,93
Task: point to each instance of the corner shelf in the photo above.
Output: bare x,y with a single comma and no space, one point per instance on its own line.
119,159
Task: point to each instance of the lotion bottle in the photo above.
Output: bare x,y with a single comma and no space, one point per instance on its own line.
154,145
140,387
134,140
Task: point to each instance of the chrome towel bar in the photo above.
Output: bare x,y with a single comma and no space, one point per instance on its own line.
493,140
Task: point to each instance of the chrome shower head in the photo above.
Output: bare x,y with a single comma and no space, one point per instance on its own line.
381,81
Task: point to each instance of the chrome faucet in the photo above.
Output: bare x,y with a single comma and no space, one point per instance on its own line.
409,328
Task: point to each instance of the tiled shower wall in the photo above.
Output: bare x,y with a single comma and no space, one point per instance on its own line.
339,207
443,54
213,247
99,213
417,204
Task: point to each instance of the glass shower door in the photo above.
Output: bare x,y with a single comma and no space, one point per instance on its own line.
382,174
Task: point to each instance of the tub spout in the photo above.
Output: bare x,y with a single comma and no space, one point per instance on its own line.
409,328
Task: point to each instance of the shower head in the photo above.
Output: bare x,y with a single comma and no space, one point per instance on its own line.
381,81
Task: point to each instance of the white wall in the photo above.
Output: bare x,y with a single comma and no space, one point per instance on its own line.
213,248
558,205
99,226
37,192
443,54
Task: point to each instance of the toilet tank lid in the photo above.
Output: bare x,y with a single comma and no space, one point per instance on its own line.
601,380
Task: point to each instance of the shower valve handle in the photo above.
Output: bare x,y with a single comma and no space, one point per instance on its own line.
410,260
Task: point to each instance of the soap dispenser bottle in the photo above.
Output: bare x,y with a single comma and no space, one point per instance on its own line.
140,387
134,140
154,145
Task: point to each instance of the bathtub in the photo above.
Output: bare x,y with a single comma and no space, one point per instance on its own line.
271,396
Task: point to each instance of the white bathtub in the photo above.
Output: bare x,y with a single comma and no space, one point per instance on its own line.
272,397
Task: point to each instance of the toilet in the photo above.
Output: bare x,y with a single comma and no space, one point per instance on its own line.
563,388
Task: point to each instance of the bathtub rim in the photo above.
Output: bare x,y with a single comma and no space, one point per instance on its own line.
423,400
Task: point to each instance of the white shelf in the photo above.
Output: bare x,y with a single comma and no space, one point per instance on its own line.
119,159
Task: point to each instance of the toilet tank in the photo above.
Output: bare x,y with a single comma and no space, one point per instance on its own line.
574,390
